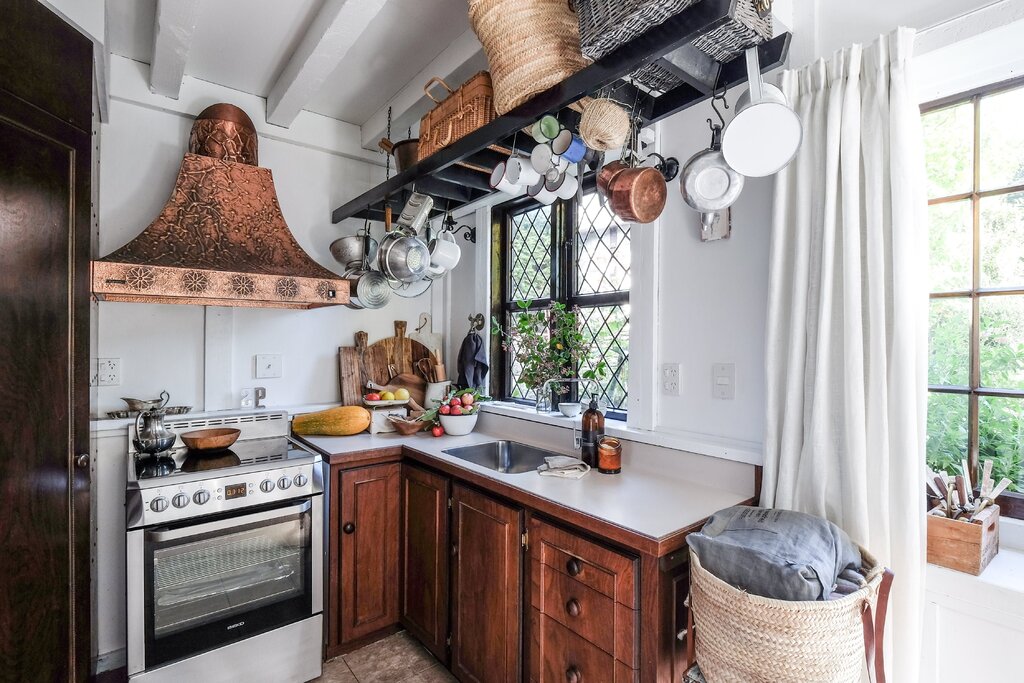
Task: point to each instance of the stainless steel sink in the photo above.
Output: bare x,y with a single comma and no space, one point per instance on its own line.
508,457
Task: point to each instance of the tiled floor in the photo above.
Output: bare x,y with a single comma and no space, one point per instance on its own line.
396,659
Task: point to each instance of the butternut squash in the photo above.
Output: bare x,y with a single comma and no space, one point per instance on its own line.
340,421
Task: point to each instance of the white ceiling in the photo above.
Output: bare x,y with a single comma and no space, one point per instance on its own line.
244,45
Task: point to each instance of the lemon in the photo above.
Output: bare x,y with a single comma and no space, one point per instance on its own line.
387,396
402,394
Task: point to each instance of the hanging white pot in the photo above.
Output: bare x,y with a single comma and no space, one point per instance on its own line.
765,134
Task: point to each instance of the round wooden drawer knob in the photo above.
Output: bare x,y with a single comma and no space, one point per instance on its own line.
573,675
574,567
349,527
573,607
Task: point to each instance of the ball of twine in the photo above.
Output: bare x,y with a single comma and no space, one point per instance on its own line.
604,125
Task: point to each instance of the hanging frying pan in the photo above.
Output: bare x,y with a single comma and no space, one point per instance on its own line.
708,183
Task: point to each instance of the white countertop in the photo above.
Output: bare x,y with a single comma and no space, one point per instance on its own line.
653,502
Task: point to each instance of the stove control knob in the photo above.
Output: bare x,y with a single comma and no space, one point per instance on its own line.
158,504
201,497
266,486
180,500
283,483
300,480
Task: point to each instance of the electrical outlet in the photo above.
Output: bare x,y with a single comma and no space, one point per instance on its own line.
268,365
108,372
723,377
670,379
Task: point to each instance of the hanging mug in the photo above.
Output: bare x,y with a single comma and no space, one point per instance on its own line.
569,147
520,171
545,129
499,181
541,193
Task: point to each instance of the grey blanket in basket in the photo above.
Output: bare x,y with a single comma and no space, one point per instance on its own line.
778,554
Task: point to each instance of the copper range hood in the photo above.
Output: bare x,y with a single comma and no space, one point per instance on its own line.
221,239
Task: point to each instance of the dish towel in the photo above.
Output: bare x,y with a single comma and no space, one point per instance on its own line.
472,362
564,466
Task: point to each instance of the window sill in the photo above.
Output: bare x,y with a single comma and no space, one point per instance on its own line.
701,444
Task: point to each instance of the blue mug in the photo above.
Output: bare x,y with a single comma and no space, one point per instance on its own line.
568,146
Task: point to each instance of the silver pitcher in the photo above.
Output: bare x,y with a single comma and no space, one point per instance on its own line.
151,435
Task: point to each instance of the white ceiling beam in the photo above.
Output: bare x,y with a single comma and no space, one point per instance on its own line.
333,32
173,30
460,60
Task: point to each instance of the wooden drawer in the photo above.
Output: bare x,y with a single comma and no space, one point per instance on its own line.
557,655
591,614
601,569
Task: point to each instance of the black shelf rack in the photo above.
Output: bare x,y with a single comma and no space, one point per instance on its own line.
453,185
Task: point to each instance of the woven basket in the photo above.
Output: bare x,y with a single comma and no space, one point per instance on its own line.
607,24
530,45
744,638
458,115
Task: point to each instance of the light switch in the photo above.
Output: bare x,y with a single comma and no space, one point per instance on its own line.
268,365
723,381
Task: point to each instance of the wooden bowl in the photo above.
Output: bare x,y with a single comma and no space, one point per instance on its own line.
210,439
407,427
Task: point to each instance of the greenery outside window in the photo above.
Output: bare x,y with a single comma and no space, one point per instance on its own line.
974,153
569,252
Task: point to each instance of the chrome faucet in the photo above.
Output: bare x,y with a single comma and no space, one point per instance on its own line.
577,434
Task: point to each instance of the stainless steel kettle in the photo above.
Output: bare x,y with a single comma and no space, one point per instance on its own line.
151,435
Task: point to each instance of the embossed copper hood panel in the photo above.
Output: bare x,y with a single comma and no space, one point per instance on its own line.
221,239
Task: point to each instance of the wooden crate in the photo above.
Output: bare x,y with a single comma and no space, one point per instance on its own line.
961,545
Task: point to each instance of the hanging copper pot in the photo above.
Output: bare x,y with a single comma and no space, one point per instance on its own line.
638,195
605,175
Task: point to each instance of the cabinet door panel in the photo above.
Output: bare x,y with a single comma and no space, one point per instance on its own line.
369,550
486,589
424,557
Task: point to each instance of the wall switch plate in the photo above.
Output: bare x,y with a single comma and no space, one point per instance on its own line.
723,377
108,372
268,365
670,378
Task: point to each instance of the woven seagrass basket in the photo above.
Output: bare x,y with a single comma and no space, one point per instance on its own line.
530,45
744,638
465,109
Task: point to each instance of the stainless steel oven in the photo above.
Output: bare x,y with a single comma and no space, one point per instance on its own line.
225,571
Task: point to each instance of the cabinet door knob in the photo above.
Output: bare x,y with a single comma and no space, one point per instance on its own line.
82,461
349,527
573,675
573,607
574,567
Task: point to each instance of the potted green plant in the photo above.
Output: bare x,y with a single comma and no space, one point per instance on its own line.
548,345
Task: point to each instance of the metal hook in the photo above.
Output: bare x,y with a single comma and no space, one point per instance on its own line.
718,95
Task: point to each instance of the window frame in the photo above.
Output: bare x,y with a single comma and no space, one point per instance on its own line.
562,282
1010,504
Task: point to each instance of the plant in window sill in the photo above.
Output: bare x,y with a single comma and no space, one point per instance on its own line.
548,345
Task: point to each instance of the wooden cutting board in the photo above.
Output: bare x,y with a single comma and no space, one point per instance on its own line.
383,362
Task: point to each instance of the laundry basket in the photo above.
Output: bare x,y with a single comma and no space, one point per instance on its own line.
744,638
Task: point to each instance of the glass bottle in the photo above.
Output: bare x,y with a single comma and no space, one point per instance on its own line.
593,431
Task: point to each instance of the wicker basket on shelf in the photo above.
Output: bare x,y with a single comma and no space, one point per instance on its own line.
530,45
741,637
457,115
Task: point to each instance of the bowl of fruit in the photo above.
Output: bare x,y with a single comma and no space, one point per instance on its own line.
457,413
377,399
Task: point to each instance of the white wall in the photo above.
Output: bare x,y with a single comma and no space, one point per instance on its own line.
166,347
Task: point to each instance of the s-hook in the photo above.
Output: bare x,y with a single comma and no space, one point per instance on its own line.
718,95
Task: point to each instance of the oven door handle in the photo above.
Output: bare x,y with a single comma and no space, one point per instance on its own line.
222,524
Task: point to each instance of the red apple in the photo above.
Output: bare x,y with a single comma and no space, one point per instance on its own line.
444,409
456,401
372,397
467,399
437,430
456,410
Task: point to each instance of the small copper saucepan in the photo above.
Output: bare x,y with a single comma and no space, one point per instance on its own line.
637,195
605,175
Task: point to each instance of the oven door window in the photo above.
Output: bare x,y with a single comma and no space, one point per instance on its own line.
214,583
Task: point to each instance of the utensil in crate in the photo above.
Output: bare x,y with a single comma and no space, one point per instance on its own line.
457,115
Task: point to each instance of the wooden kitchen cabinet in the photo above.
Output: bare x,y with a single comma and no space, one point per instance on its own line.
486,588
425,557
368,540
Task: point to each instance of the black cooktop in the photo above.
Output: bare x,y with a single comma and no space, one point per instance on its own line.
242,453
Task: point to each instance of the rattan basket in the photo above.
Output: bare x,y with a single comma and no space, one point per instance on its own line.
458,115
744,638
530,45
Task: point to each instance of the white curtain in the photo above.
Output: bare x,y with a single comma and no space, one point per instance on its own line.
847,319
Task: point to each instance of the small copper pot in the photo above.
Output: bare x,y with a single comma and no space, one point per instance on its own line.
605,175
638,195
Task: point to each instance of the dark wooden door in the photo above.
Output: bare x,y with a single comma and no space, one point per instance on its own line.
424,557
369,550
486,588
45,163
